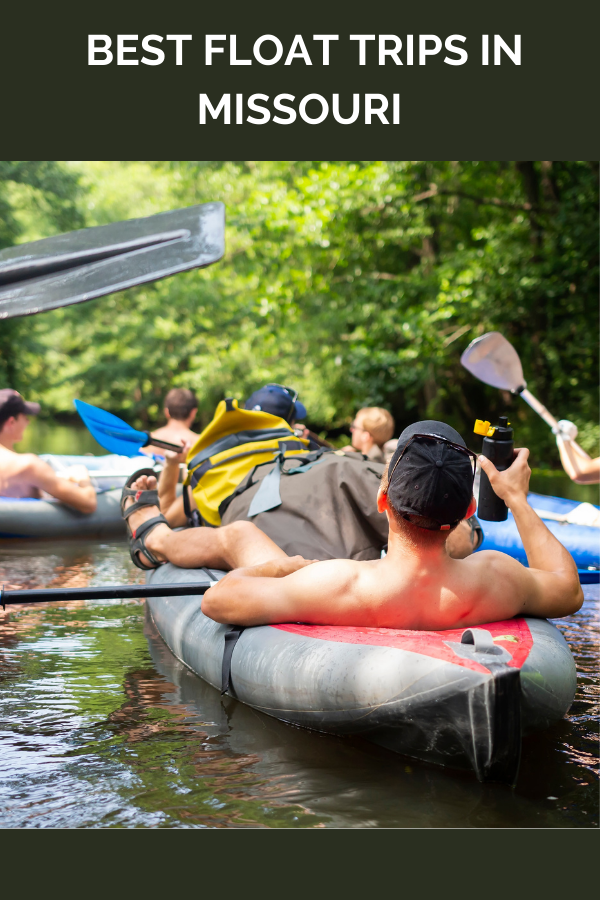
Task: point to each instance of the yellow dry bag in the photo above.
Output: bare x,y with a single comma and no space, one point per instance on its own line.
229,447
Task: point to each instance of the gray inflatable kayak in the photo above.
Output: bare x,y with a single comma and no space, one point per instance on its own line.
459,698
29,518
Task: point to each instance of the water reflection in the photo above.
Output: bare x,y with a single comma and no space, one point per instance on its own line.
101,726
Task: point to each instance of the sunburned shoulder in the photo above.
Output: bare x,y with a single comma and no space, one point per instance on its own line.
346,568
492,559
21,463
338,574
493,581
32,464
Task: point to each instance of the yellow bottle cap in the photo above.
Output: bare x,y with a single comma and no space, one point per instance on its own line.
481,427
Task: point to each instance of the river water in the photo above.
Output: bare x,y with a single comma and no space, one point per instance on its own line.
101,726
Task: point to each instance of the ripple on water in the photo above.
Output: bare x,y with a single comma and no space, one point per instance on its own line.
100,726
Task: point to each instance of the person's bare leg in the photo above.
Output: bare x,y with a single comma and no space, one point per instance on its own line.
228,547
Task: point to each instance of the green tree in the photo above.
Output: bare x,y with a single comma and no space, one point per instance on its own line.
37,198
358,282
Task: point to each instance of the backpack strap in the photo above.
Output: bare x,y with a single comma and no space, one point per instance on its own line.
231,638
268,496
240,437
192,515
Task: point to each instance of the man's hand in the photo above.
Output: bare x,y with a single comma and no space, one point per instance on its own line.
77,473
566,429
511,485
176,459
275,568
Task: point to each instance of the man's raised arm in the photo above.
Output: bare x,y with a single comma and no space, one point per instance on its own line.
171,506
550,587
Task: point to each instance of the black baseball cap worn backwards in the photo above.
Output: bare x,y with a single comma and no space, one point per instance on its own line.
12,404
430,477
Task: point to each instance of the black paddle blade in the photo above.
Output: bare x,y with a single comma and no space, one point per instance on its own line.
80,265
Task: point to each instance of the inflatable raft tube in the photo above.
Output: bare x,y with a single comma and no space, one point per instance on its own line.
582,541
459,698
29,518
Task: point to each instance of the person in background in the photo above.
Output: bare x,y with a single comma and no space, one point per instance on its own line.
180,411
25,474
389,448
580,467
371,428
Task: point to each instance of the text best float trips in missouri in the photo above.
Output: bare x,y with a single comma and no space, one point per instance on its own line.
319,50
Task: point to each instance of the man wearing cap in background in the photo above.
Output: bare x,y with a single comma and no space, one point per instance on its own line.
25,474
417,585
279,401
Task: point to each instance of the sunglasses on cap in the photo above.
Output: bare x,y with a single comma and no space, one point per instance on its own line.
290,391
292,394
437,439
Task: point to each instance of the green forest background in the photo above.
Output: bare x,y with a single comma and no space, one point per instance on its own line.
359,283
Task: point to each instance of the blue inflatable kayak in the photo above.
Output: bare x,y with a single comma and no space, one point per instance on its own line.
582,541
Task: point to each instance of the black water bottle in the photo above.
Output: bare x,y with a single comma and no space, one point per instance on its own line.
498,446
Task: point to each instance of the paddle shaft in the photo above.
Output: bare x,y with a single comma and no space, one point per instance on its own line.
110,592
538,407
156,442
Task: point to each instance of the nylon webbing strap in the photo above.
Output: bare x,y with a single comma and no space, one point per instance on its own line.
231,639
192,515
239,438
268,496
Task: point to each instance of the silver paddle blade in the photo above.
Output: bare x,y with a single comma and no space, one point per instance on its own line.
493,360
80,265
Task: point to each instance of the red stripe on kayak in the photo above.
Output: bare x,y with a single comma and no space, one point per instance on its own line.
512,634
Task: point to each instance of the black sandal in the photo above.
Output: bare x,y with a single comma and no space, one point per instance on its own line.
137,538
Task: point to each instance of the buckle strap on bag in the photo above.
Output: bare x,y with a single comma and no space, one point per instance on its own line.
268,496
192,515
231,638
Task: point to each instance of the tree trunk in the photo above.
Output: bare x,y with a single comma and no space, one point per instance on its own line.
529,177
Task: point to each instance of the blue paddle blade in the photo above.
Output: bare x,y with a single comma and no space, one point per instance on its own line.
112,433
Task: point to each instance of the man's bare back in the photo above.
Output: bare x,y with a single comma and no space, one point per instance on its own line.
417,585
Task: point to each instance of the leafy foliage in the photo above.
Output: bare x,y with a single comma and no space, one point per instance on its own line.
37,199
360,283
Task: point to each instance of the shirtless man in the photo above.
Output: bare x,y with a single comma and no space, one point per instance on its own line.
180,411
417,585
25,474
